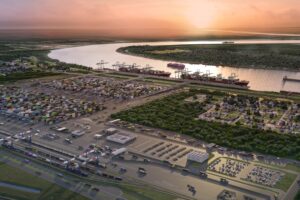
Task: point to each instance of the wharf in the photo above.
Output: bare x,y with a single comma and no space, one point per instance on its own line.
285,78
181,80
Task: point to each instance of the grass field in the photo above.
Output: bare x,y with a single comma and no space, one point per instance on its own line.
286,182
161,82
115,76
26,75
297,196
168,51
49,191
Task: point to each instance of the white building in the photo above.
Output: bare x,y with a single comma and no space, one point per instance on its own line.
77,133
111,131
197,156
98,136
118,151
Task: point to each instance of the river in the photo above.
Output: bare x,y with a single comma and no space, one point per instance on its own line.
260,79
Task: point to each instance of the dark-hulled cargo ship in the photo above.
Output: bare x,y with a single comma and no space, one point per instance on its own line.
176,66
231,80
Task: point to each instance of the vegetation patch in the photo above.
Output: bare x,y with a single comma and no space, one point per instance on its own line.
26,75
279,56
168,51
48,190
285,183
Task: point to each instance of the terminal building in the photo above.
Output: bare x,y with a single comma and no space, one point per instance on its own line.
110,131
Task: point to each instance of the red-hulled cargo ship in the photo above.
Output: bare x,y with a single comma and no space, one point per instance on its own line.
231,80
147,71
176,65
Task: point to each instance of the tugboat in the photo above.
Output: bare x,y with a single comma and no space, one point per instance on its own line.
176,66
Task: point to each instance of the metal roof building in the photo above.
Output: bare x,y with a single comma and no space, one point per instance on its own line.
121,138
197,156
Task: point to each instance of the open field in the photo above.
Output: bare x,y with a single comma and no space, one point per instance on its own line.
172,113
286,182
271,56
298,196
48,190
27,75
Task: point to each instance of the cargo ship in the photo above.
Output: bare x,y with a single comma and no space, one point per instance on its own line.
176,65
228,42
146,71
231,80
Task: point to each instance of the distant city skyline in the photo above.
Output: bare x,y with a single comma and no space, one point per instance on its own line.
152,18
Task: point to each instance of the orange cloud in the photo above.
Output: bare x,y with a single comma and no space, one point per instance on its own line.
155,17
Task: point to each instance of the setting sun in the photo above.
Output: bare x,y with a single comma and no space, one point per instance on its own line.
201,15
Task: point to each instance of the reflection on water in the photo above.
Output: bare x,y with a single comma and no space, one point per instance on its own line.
260,79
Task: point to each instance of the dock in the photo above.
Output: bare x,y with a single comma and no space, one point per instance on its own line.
289,93
285,78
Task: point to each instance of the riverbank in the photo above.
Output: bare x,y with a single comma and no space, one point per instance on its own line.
257,56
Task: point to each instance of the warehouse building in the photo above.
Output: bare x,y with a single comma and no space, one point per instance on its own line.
121,138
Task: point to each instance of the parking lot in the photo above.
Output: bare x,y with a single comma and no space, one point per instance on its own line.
264,176
162,150
228,167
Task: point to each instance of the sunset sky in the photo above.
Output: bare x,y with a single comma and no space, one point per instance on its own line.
151,17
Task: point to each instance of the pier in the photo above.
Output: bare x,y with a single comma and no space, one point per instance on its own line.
285,78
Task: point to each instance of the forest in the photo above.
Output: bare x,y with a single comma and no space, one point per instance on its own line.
265,56
174,114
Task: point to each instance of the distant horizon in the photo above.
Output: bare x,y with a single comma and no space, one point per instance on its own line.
105,34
